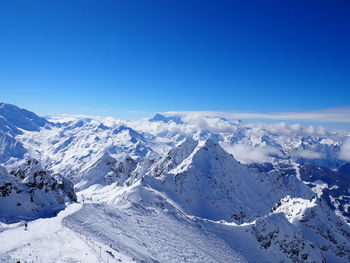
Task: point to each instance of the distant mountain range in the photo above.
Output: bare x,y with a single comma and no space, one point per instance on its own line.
283,190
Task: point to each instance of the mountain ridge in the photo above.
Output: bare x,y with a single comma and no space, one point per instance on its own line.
283,188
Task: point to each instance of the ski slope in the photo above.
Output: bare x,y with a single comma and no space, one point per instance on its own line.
151,235
109,233
46,240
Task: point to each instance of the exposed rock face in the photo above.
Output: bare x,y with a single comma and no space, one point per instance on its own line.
275,233
208,182
284,215
318,224
107,170
30,192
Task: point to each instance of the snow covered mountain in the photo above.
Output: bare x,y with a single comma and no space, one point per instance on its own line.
29,192
210,183
176,188
284,215
14,121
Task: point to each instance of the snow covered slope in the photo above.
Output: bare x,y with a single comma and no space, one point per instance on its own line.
198,183
71,148
29,192
285,215
152,235
46,240
211,184
173,189
10,148
14,119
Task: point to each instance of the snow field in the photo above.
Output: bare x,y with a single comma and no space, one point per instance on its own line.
45,241
104,253
149,235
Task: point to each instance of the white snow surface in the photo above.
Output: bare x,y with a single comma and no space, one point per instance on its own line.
169,189
46,240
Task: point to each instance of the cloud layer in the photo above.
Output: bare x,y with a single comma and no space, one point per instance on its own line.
248,154
248,142
336,115
345,151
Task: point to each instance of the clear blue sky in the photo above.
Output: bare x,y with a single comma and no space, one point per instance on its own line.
110,57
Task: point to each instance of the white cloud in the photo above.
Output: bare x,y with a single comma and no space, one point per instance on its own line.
249,154
345,151
307,154
108,121
335,115
194,123
213,124
68,117
293,129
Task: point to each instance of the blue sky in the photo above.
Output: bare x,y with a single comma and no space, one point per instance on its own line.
133,58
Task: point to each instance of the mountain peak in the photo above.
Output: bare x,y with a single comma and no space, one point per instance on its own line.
207,155
210,183
166,119
135,135
14,118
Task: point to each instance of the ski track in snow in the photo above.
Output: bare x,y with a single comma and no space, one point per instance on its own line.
45,241
81,232
153,236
